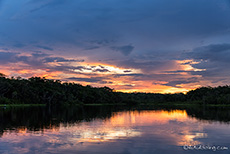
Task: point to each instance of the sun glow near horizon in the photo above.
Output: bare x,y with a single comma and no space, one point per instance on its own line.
102,74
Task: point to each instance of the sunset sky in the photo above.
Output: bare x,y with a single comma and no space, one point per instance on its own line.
160,46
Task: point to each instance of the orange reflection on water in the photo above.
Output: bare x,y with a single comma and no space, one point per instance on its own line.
22,130
173,126
146,117
121,124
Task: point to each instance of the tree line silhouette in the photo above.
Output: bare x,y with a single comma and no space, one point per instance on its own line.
37,90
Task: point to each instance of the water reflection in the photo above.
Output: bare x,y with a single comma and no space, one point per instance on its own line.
110,129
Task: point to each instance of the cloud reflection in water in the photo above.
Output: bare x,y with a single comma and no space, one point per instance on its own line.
133,131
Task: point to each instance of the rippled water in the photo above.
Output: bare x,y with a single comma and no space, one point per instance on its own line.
114,130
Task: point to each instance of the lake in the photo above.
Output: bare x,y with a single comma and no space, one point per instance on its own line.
115,129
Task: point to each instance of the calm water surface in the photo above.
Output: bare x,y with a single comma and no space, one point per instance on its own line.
112,129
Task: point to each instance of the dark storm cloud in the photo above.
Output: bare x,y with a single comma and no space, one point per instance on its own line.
132,75
105,82
214,58
177,71
92,48
6,49
67,69
146,65
182,81
211,57
159,30
141,22
125,50
92,79
127,71
37,59
39,54
101,70
149,77
7,57
45,47
30,61
59,59
101,66
213,53
103,42
74,69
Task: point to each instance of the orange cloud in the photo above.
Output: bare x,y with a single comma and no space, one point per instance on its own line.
120,79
